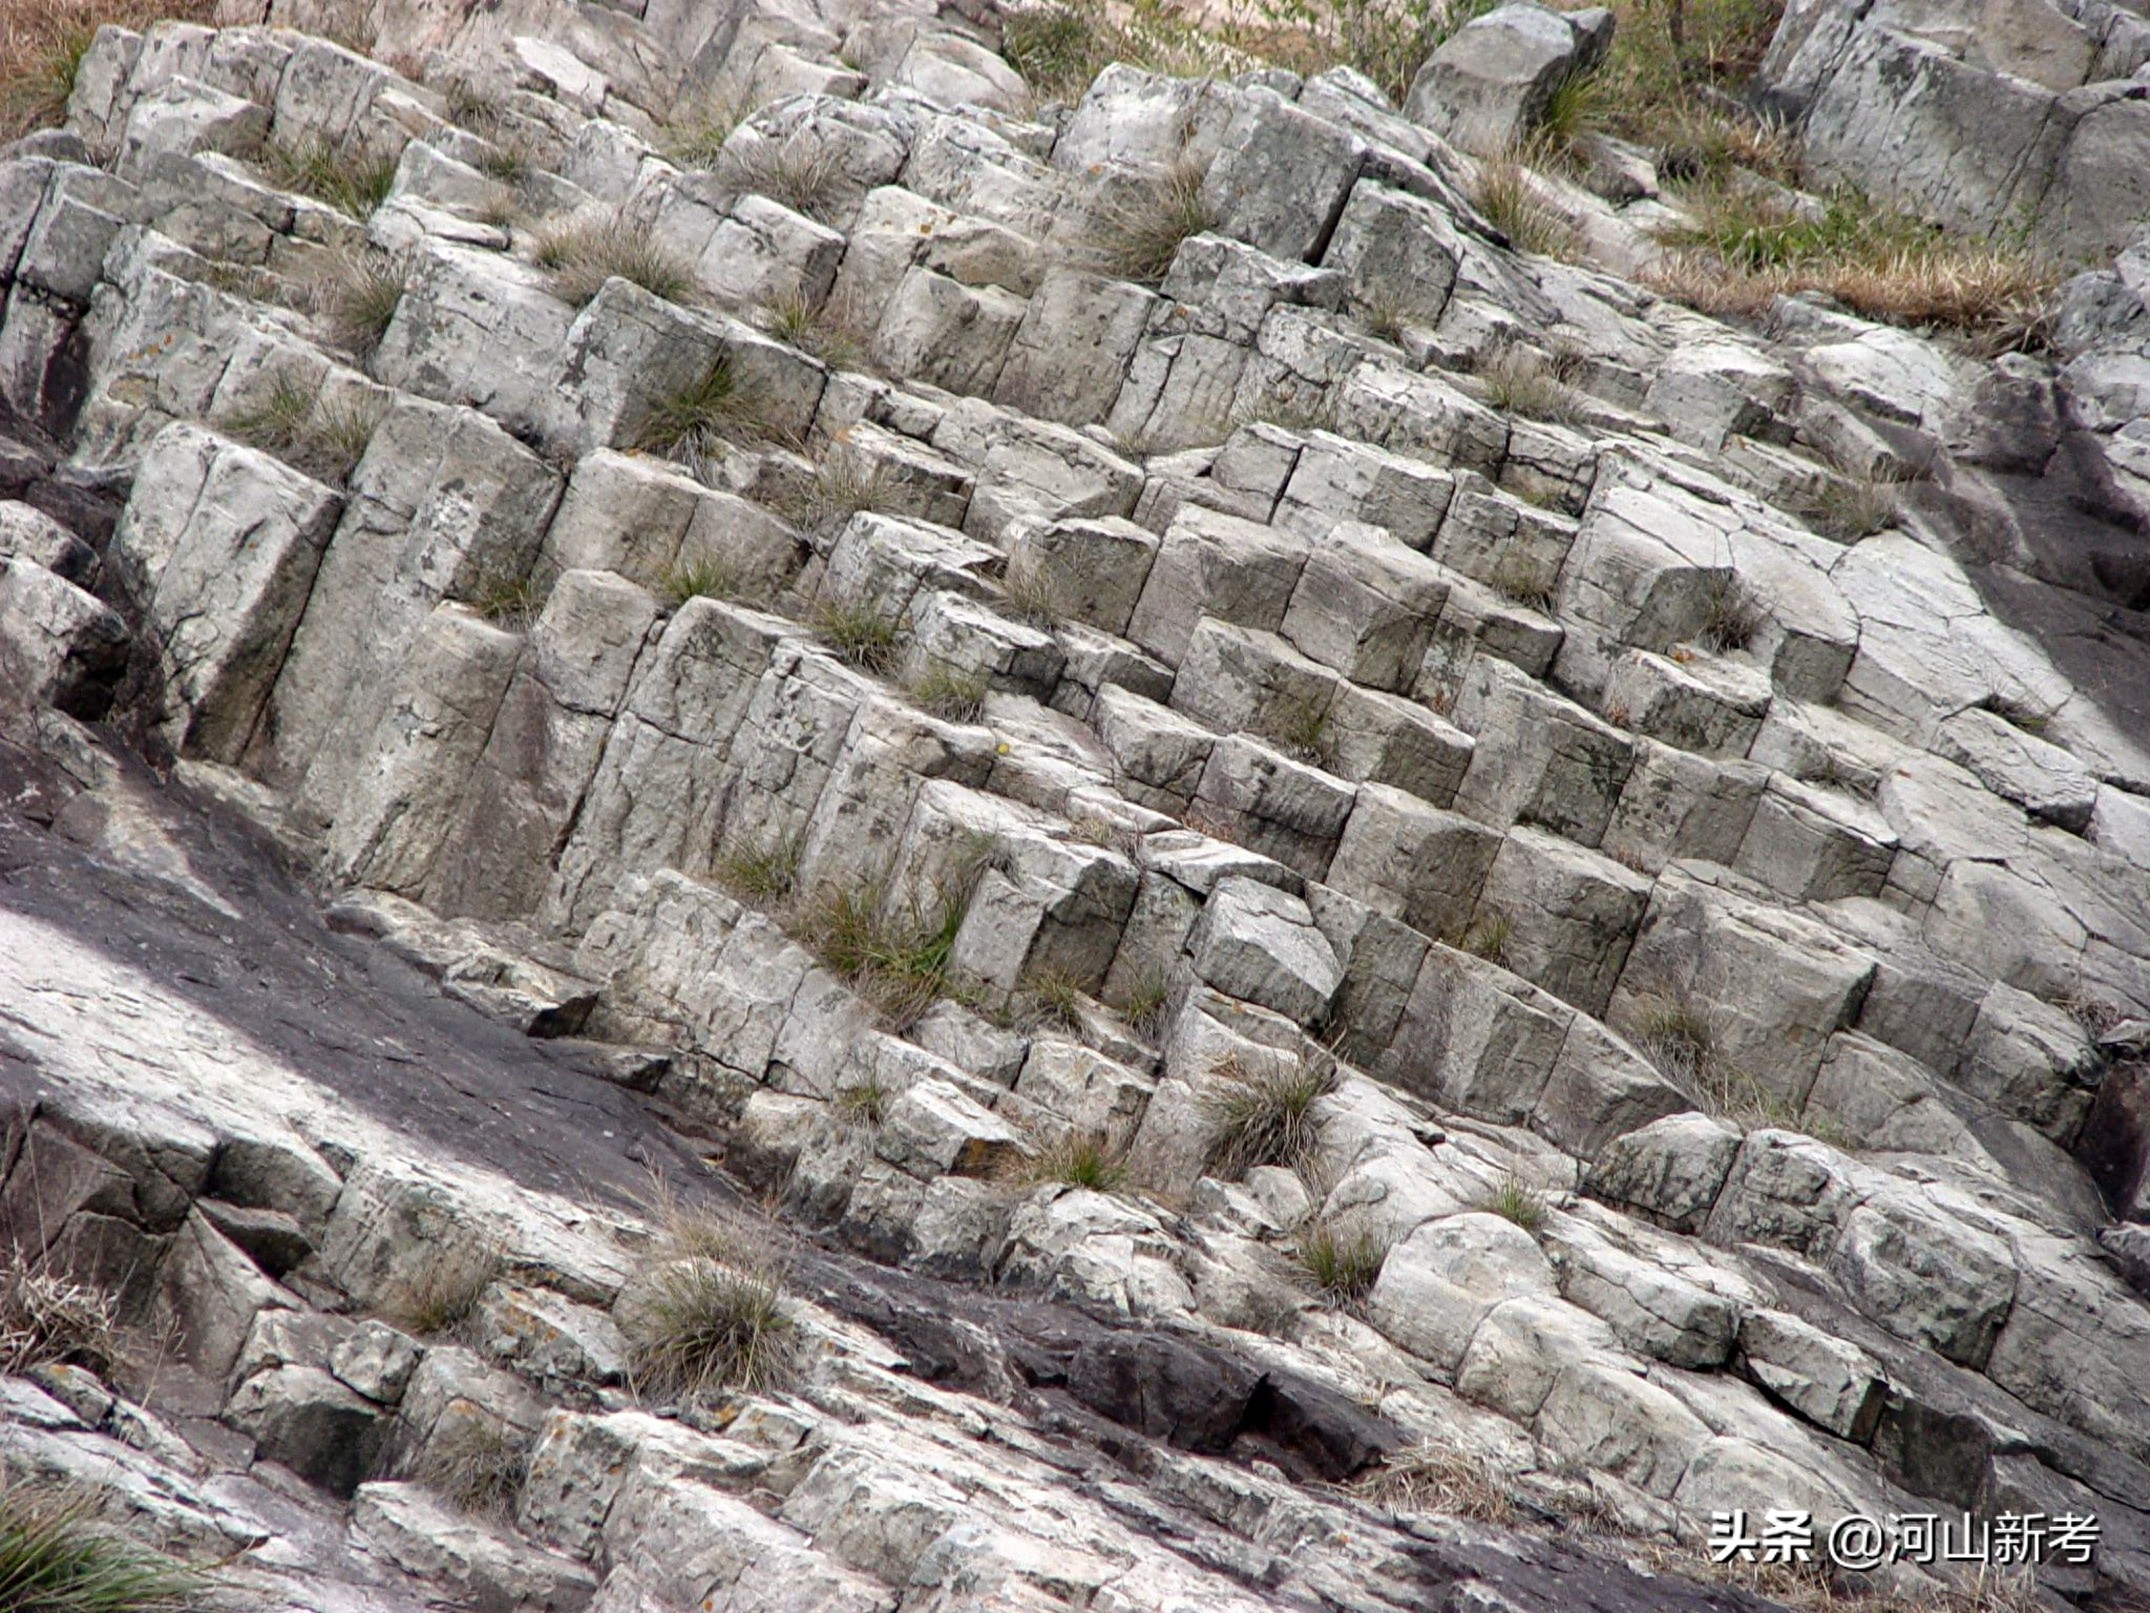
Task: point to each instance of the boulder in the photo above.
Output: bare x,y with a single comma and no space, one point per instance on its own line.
1491,83
1441,1280
1259,944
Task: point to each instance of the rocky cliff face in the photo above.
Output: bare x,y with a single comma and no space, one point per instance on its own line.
1343,956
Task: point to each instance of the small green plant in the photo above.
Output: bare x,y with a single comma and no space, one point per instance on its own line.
721,406
803,174
695,139
793,319
444,1293
1574,112
859,635
1058,49
323,439
1052,999
1080,1159
1520,382
1521,579
893,951
708,1325
839,490
1265,1116
48,1320
1343,1264
1487,937
1732,615
1385,316
764,872
1144,1007
350,181
1514,1199
950,694
583,253
1439,1478
56,1556
1302,729
359,298
1507,197
507,163
476,1464
507,598
699,579
863,1103
1137,235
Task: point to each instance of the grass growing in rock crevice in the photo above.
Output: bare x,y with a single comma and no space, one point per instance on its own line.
323,438
56,1556
477,1465
47,1319
42,43
581,254
352,182
1079,1159
720,406
892,949
709,1312
1743,247
1442,1478
1137,234
1265,1115
1343,1263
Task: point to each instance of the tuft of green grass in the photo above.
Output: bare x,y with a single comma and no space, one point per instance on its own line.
1514,1199
583,253
350,181
42,43
1487,937
1507,199
323,439
711,1325
859,635
1144,1007
863,1103
695,139
1742,247
839,490
1080,1159
1266,1116
1302,730
1343,1264
507,599
1052,999
1680,1040
893,952
699,579
721,406
762,873
358,300
950,694
814,329
48,1320
1137,236
56,1557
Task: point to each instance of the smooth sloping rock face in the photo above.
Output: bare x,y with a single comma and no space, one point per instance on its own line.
1161,806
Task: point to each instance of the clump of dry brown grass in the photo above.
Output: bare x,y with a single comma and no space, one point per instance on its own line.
1506,197
42,44
1137,235
46,1319
715,1314
581,254
444,1294
1744,247
1442,1478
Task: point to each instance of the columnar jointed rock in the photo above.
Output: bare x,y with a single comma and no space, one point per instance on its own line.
1167,678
